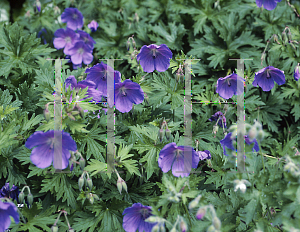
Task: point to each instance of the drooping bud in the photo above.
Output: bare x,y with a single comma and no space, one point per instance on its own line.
54,228
119,184
252,133
38,5
217,223
194,202
21,197
177,77
260,135
30,199
215,129
56,10
297,73
127,45
124,185
82,163
71,230
284,37
161,134
47,114
162,227
289,36
183,226
89,183
71,116
80,182
211,228
200,213
173,230
137,17
155,228
168,134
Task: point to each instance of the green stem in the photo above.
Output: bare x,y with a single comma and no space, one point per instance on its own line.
262,157
187,212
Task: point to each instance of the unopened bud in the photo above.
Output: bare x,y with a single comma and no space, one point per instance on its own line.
124,185
217,223
47,114
284,37
161,134
133,43
183,226
71,230
119,184
71,116
137,17
80,183
91,198
200,213
252,133
155,228
194,202
54,228
80,110
89,183
168,134
21,197
211,228
56,10
215,129
289,36
82,163
162,228
27,15
260,135
173,230
177,77
30,199
38,6
127,45
153,219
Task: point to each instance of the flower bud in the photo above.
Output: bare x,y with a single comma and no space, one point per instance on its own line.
168,134
124,185
80,183
89,183
215,129
71,116
127,45
96,197
211,228
38,5
91,198
200,213
217,223
155,228
82,163
119,184
56,10
177,77
284,37
252,133
194,202
71,230
297,73
289,36
137,17
54,228
162,228
80,110
30,199
260,135
173,230
47,114
153,219
27,15
133,43
21,197
161,134
183,226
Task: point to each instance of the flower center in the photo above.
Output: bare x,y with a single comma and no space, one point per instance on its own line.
80,51
145,213
268,74
153,52
75,16
68,39
228,82
122,91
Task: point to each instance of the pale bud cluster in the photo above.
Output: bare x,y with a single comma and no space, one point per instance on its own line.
241,185
164,133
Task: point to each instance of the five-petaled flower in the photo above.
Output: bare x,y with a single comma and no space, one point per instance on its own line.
265,78
154,57
135,218
73,18
86,38
81,52
219,117
48,148
12,193
7,209
91,92
98,74
228,142
230,85
268,4
182,159
127,93
93,26
65,38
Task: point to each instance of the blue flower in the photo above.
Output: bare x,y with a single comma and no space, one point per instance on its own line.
135,218
154,57
73,18
127,93
92,92
12,193
204,154
268,4
228,142
93,26
7,209
86,38
44,154
230,85
42,34
296,73
265,78
218,115
98,74
81,52
65,39
173,156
